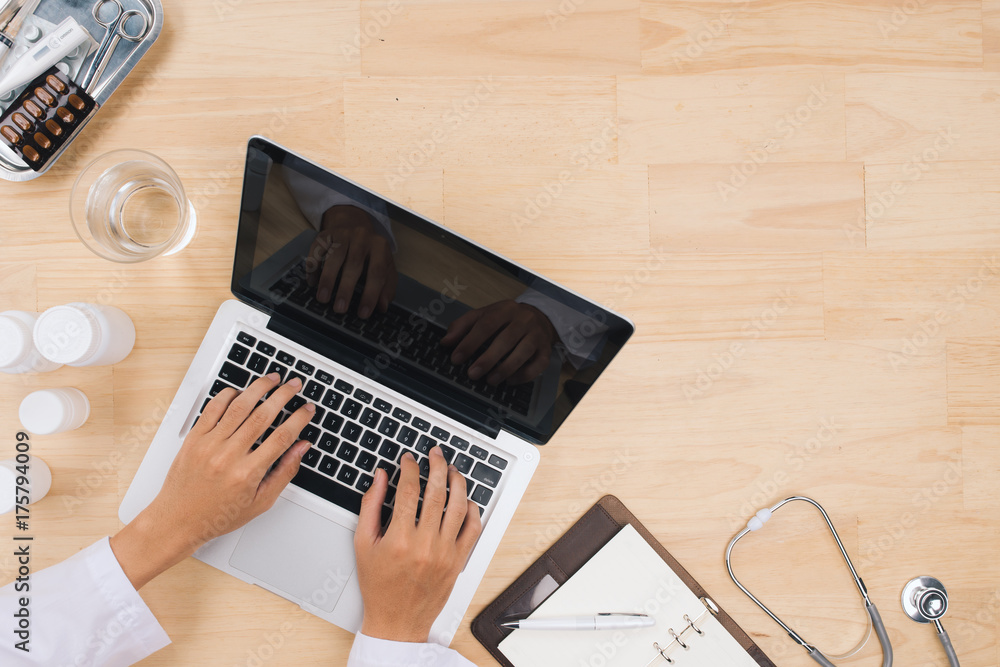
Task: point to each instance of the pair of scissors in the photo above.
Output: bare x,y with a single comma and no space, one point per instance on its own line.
117,30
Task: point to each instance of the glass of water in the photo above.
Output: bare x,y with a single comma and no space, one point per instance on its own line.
130,206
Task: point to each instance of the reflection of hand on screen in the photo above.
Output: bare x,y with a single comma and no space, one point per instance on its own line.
348,247
519,353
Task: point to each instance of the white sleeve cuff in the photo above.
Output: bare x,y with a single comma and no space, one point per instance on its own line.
371,652
83,611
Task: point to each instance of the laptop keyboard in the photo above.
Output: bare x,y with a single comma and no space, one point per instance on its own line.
354,431
422,343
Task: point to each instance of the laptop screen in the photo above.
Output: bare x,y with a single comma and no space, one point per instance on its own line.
412,305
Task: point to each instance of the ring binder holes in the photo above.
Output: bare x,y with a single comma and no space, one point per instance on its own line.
677,638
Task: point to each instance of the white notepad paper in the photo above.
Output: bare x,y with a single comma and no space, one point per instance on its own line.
625,576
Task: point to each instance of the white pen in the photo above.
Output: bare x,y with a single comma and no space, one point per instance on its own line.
599,622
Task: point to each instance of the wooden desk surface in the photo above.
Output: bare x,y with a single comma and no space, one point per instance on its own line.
796,202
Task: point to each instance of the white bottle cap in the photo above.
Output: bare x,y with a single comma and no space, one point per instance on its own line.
67,334
54,410
39,481
16,343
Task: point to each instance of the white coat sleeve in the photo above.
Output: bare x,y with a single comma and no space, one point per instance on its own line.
581,335
371,652
82,612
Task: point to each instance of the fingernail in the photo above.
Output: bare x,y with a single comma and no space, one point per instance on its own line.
410,456
453,468
436,451
303,447
273,377
323,296
341,306
296,383
310,407
365,312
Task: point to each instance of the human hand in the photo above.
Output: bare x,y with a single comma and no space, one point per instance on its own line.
216,484
347,241
525,338
407,574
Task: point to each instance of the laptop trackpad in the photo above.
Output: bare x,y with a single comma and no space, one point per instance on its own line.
299,552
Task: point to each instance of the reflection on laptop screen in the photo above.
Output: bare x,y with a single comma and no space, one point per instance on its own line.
412,305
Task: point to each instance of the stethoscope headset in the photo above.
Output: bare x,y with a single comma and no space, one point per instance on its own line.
924,599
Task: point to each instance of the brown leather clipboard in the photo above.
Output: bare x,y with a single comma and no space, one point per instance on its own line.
569,554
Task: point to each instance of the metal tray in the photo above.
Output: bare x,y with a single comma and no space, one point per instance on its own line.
122,63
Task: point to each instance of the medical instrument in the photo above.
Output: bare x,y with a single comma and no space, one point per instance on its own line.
874,618
925,600
63,41
12,16
598,622
117,30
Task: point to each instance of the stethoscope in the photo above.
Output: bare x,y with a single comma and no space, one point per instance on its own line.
924,599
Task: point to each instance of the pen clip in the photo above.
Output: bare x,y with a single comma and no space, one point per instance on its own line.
609,613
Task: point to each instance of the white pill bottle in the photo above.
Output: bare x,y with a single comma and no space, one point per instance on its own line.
18,353
84,334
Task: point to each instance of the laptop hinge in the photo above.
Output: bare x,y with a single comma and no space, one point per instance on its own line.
396,377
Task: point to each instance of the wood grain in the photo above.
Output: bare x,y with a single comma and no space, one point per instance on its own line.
747,119
698,36
805,330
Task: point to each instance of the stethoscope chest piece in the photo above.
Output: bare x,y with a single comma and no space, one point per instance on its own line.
925,599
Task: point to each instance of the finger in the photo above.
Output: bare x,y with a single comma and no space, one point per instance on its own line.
470,532
254,425
482,330
244,404
404,512
461,326
370,518
213,412
331,268
506,341
389,290
435,493
521,355
533,369
314,260
374,282
351,273
282,438
454,514
275,481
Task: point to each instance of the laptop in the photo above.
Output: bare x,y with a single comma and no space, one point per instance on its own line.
383,384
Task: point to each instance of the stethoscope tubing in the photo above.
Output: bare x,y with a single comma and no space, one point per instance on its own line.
873,614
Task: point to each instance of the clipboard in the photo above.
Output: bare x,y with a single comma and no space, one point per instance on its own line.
564,558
